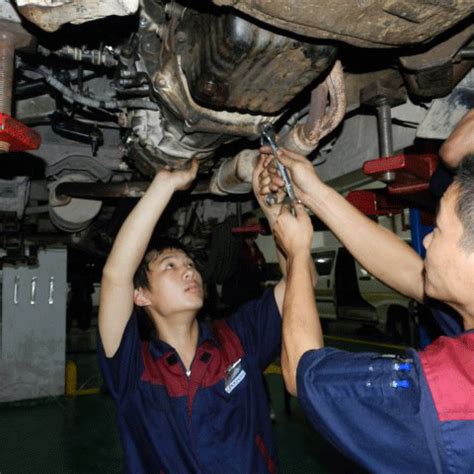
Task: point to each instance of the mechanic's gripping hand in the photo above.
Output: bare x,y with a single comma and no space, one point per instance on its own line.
303,177
294,233
273,210
179,180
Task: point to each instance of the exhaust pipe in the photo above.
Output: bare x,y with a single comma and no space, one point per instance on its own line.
326,111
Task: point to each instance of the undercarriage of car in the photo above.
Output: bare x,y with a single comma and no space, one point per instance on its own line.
96,97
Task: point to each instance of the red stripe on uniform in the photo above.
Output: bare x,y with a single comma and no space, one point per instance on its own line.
159,372
272,468
204,373
448,365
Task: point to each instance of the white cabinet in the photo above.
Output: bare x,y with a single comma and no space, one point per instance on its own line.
33,330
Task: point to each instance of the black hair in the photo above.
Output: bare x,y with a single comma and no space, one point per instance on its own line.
465,205
154,249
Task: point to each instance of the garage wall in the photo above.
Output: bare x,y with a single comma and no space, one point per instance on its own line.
33,332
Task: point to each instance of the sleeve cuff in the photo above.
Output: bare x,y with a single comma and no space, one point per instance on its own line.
306,360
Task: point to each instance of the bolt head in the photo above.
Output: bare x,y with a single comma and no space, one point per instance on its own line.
181,36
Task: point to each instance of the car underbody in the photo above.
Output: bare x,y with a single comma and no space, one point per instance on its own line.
117,89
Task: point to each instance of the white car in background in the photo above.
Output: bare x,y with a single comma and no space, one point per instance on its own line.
346,291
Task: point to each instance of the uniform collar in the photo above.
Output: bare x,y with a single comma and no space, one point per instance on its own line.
158,348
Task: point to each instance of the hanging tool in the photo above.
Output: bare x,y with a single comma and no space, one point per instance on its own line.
269,138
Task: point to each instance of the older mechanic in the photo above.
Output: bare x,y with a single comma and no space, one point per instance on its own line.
389,414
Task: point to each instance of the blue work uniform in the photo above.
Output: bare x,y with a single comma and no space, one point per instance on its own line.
213,420
392,414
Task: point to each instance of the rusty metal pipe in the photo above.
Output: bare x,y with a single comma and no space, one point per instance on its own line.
101,190
319,99
7,57
12,36
133,189
327,109
234,175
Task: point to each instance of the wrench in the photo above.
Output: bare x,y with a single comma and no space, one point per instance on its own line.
268,137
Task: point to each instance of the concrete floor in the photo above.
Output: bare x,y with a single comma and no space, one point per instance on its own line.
79,435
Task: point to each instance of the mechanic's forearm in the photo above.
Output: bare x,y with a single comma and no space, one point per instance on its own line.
381,252
460,143
271,217
281,262
301,325
116,299
132,240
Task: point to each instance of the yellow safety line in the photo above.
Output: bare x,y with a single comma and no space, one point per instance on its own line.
87,391
273,369
367,343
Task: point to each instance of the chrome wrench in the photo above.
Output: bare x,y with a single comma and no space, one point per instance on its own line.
269,138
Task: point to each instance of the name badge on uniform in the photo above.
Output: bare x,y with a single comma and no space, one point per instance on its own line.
235,375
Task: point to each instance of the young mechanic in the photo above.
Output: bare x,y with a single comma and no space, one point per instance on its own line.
390,414
191,400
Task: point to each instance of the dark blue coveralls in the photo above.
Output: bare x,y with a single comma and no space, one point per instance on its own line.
391,414
214,420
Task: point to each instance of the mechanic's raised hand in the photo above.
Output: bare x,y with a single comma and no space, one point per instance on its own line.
179,179
294,233
303,177
460,142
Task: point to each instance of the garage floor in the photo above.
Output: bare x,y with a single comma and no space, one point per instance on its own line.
79,435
